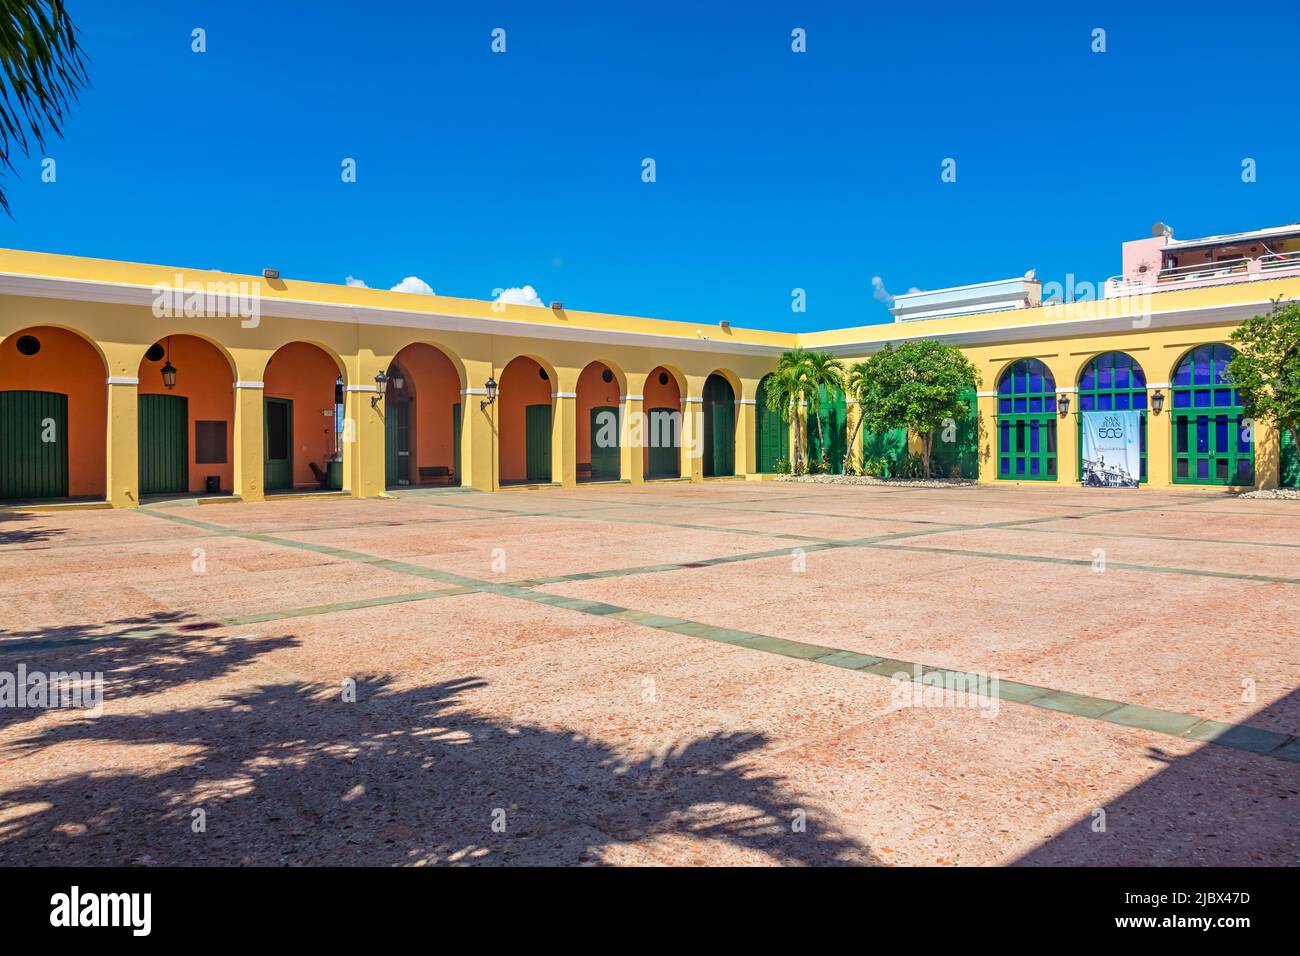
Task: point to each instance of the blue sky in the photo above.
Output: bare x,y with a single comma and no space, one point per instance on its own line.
775,170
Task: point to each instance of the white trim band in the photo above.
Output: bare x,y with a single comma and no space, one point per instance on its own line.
564,394
744,401
121,380
1066,390
631,398
361,388
1151,385
986,394
248,385
473,391
699,400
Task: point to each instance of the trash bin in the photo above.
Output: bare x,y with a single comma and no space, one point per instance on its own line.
334,475
212,484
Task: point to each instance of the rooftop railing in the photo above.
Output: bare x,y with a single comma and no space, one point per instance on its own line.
1206,273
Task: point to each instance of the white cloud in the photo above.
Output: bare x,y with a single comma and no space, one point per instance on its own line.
356,283
520,296
881,294
413,284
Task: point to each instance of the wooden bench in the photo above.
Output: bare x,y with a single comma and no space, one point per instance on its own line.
584,469
435,473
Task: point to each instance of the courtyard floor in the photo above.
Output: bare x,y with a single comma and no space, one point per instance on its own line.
677,673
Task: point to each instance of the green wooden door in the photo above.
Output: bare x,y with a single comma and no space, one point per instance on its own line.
888,447
960,457
33,445
537,437
397,443
719,427
662,442
771,433
604,443
279,443
833,414
455,444
164,444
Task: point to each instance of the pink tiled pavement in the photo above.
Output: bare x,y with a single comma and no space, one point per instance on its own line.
601,741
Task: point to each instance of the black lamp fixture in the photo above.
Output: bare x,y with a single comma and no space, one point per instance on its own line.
381,380
1157,401
1063,404
169,370
491,387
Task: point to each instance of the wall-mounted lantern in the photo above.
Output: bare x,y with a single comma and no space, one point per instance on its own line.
1063,403
491,387
1157,401
169,370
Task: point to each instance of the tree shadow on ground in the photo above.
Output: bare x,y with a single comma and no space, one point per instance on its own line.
1215,806
293,773
139,655
9,534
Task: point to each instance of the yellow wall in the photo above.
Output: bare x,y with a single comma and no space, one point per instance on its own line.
361,331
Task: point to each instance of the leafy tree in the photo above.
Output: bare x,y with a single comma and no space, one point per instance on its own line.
822,371
1266,368
41,70
916,386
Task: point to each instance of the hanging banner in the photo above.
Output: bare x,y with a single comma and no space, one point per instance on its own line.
1112,449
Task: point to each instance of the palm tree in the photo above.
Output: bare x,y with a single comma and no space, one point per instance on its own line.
822,371
41,70
857,385
787,390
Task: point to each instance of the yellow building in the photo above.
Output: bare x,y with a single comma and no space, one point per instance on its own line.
120,381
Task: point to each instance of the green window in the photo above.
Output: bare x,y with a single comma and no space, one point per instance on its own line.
832,413
1290,461
771,432
1027,422
1114,382
1212,445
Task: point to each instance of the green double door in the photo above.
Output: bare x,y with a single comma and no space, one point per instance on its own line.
604,438
33,445
771,433
958,458
397,443
537,442
663,443
278,464
719,428
833,415
164,444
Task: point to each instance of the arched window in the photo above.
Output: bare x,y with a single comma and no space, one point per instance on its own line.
1114,381
1211,443
1027,422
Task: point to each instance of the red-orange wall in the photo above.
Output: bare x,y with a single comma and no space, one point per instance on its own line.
204,377
592,391
67,363
655,395
434,386
520,386
305,374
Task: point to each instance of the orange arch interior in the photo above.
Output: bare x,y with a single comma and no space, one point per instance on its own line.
69,364
433,389
593,391
521,385
203,376
657,394
305,374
